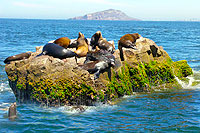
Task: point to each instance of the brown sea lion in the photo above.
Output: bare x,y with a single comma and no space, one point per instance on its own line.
102,43
17,57
82,46
12,113
63,42
127,41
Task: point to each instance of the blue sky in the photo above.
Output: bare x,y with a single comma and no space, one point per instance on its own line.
63,9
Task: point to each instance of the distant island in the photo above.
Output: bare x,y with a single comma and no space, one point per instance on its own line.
110,14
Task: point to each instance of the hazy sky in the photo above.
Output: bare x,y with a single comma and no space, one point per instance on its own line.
64,9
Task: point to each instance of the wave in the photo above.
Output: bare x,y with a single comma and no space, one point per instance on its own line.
67,110
74,110
194,61
5,87
193,81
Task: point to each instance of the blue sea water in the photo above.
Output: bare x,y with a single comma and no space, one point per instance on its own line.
163,111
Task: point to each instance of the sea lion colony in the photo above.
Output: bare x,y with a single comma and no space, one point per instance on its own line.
98,51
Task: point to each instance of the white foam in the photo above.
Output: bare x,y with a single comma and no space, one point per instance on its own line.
5,87
182,83
193,78
4,106
72,110
131,96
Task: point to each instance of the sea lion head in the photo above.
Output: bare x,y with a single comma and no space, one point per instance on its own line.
136,35
80,35
111,49
98,33
95,38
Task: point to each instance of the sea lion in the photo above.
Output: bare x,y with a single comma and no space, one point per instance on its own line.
97,62
96,67
102,43
99,55
12,113
82,46
56,51
17,57
127,41
73,43
63,42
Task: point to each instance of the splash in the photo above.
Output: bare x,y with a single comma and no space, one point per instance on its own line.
73,110
4,87
77,110
193,81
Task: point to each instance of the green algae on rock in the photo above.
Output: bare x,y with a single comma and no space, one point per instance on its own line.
56,82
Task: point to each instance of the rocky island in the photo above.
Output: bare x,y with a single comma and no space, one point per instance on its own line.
54,82
110,14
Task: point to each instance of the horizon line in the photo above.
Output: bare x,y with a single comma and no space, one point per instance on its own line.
190,20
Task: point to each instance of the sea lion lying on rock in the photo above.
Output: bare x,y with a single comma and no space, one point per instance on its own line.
97,62
99,55
127,41
63,42
56,51
17,57
102,43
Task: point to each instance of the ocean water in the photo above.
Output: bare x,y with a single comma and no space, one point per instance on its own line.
171,110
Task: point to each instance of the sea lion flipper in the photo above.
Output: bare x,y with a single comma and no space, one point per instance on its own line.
96,74
86,61
43,53
133,47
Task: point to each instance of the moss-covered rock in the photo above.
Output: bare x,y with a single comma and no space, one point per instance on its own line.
181,69
56,82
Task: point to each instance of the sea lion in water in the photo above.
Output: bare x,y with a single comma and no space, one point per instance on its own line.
12,113
82,46
63,42
56,51
127,41
17,57
102,43
97,62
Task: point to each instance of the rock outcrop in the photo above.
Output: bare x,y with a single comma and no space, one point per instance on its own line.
52,81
